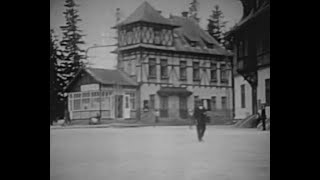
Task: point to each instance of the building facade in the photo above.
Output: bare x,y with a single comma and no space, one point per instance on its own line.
251,60
175,63
109,93
164,64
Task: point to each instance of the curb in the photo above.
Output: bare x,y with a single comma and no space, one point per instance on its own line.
98,126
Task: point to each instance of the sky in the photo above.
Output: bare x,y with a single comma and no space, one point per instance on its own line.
98,16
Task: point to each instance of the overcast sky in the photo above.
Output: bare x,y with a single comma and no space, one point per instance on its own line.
98,16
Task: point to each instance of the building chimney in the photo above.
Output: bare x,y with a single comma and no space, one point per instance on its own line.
185,14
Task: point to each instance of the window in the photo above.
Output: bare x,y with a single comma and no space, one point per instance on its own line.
243,48
90,101
77,101
192,43
243,96
129,68
132,100
164,106
145,104
213,102
213,72
126,102
223,73
85,103
152,101
95,100
183,70
267,86
224,102
70,103
106,100
164,69
77,104
196,101
152,68
196,71
240,48
206,104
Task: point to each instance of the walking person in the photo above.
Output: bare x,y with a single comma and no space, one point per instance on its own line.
263,117
156,114
200,118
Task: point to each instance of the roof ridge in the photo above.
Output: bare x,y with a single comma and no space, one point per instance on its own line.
145,12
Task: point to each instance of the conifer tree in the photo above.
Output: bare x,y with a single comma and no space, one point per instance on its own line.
216,25
74,58
193,10
56,87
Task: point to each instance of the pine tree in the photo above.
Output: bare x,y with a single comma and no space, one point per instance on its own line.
72,39
193,10
55,81
216,25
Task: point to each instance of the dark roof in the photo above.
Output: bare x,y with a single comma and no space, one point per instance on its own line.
109,76
186,31
190,31
145,13
253,14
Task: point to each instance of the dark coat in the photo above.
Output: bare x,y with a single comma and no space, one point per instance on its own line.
200,116
263,114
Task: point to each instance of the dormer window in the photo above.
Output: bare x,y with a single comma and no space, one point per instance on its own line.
208,44
191,42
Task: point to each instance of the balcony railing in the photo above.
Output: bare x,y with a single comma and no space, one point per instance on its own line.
263,58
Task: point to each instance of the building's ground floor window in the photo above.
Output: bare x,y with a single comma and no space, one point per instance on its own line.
206,104
164,105
213,102
87,104
224,102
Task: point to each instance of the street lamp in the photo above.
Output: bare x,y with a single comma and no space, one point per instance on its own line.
86,57
97,46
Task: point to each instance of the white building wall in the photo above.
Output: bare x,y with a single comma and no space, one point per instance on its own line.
263,74
147,90
241,113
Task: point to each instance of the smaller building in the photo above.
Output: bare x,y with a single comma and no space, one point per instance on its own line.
110,93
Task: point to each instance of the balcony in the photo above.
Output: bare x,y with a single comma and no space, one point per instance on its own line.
246,64
263,59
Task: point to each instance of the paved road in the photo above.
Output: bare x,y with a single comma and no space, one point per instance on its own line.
148,153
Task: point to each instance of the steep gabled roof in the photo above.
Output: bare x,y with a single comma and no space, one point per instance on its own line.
145,13
252,15
188,31
191,30
104,76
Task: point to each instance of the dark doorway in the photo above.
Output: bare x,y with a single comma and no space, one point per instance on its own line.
183,107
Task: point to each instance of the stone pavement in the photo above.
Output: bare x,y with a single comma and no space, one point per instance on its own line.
157,153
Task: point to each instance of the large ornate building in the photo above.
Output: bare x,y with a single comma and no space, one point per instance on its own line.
251,60
171,63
